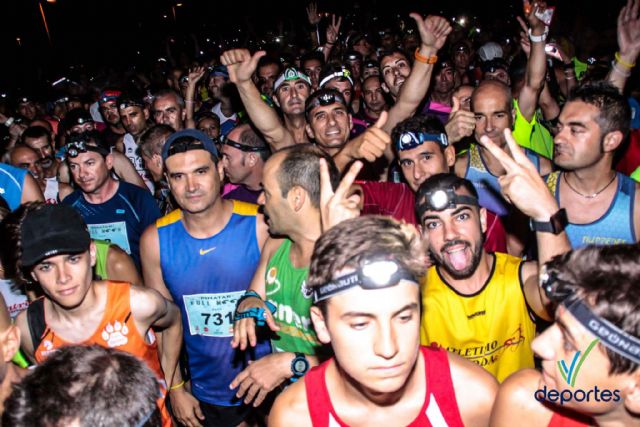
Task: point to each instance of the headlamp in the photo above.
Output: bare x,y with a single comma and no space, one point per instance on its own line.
75,148
410,140
378,274
442,199
288,75
225,140
343,73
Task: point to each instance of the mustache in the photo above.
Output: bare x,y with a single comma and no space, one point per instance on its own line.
454,243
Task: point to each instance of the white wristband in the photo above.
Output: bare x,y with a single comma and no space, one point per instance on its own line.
9,121
540,38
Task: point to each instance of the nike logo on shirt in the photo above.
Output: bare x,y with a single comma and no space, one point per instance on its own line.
206,251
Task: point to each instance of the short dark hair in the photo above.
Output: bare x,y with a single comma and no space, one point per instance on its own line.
336,67
311,56
386,53
615,114
607,279
269,60
443,181
418,124
251,137
352,242
95,385
301,167
36,132
153,139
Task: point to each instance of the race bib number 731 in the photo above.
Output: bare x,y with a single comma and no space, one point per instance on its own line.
211,315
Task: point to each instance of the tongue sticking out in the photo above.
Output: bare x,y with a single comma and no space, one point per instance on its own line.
458,259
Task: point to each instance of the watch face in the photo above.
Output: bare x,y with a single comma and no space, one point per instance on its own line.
300,366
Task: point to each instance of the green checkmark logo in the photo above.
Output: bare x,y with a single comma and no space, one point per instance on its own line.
570,373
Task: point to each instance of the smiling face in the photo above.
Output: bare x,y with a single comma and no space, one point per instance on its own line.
456,237
395,70
493,112
424,161
330,126
374,334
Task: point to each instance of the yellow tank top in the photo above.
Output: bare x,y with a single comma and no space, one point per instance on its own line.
492,327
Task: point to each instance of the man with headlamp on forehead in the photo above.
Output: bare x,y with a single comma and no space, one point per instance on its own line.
596,292
477,304
365,278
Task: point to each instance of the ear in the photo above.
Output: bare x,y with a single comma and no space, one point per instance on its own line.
220,168
251,159
631,390
450,155
310,132
320,325
296,198
611,141
483,220
157,159
93,253
385,88
10,342
145,111
108,160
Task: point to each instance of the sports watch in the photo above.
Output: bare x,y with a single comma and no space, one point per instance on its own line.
556,224
299,366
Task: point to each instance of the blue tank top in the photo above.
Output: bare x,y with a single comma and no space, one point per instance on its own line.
614,227
487,184
12,184
205,278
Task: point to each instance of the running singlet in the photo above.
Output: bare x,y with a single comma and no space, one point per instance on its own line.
286,288
15,300
121,220
132,151
487,184
612,228
116,330
51,191
205,278
492,327
12,184
440,407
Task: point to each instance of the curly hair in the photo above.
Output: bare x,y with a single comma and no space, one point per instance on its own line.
607,279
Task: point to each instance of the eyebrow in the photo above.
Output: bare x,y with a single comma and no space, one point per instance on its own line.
455,212
565,330
350,314
578,124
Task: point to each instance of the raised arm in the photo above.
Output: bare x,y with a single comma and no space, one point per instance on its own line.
241,65
195,74
536,65
628,44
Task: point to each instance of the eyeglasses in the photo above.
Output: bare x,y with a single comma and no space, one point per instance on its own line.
378,274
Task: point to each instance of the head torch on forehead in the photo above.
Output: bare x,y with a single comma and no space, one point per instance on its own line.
410,140
126,103
378,274
324,100
343,73
608,334
440,200
109,95
75,148
291,74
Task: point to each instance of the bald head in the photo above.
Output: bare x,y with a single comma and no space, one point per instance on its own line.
492,89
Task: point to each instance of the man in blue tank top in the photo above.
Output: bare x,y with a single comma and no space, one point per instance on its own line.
202,256
600,202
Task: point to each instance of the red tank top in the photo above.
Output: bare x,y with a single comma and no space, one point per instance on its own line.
116,330
559,420
440,406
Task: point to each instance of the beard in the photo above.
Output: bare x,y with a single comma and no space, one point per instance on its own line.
456,272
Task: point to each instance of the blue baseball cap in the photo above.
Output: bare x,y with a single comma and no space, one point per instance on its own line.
183,140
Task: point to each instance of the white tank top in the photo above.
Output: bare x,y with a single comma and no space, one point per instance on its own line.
131,151
51,191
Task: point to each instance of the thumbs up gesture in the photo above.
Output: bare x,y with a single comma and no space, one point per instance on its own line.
241,64
461,122
371,144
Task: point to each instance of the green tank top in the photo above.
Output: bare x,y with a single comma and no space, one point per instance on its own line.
286,289
102,249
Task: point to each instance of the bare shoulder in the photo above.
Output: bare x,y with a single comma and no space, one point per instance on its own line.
290,408
460,166
472,384
516,401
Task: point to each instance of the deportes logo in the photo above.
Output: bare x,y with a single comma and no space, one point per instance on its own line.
570,374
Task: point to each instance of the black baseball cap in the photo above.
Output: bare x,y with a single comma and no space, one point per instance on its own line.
183,140
52,230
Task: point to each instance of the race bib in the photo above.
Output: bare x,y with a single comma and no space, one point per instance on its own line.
211,315
113,232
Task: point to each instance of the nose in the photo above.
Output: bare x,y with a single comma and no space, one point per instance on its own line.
62,273
386,345
543,344
192,184
450,231
396,71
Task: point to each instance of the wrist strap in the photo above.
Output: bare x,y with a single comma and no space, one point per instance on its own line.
177,386
258,314
425,59
623,62
540,38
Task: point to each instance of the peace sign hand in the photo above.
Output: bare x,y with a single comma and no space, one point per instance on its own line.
337,206
522,185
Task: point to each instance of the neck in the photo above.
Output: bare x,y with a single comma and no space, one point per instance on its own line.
441,98
590,180
303,241
619,417
371,113
226,107
294,121
103,193
493,165
211,221
254,181
476,281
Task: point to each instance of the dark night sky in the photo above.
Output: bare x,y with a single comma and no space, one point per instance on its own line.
101,32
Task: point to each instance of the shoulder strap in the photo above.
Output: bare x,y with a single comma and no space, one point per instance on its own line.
318,400
35,319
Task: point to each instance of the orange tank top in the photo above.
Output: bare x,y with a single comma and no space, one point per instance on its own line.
116,330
